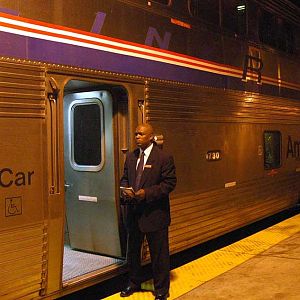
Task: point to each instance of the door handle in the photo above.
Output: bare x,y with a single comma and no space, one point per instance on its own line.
67,185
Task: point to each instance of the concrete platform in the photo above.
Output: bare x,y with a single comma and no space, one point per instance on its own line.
263,266
272,274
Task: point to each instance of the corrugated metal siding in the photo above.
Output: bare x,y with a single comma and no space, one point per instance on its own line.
23,260
23,244
202,215
22,90
199,217
193,104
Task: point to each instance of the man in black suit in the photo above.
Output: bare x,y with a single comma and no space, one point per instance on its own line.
150,173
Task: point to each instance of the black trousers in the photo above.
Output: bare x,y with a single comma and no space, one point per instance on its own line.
158,242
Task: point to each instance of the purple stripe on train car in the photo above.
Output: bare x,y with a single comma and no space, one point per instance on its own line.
12,45
9,11
59,53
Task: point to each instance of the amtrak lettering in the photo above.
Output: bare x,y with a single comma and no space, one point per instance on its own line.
98,22
293,148
9,178
153,35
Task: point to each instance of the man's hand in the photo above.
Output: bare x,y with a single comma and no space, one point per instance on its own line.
127,194
140,195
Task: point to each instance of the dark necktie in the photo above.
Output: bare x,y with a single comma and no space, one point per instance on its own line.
139,172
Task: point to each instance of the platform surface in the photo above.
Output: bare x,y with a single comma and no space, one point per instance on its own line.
263,266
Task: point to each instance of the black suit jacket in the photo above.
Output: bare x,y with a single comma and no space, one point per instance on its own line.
158,180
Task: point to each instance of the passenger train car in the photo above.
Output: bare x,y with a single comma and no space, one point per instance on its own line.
219,81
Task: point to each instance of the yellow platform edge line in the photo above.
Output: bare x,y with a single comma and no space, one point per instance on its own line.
191,275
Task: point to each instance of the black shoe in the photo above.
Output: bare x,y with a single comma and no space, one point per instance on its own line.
162,296
129,290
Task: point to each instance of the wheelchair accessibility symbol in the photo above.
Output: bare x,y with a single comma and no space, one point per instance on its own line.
13,206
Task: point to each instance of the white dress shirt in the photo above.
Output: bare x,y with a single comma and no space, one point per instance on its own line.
147,152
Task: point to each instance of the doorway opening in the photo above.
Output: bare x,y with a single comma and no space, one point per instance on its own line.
93,234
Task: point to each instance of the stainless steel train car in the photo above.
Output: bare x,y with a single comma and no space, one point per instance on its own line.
219,81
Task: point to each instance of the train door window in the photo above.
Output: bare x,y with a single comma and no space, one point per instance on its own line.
234,16
86,117
272,149
207,10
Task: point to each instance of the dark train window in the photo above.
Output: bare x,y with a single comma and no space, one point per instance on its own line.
234,16
207,10
276,32
285,40
87,134
272,149
267,28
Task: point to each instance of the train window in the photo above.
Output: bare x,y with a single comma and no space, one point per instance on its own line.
276,32
207,10
86,140
285,41
267,28
272,149
235,16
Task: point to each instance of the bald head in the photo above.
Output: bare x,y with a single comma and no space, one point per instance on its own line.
144,135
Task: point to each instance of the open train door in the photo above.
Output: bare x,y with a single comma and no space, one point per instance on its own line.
92,221
95,140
